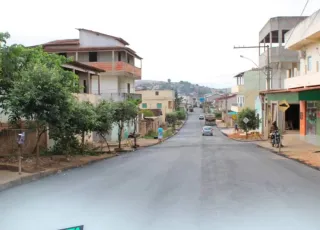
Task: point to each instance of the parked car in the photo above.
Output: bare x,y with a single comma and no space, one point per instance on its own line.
201,117
207,131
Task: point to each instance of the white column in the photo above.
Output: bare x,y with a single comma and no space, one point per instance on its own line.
99,92
89,83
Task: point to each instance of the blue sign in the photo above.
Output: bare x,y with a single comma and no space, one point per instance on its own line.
201,99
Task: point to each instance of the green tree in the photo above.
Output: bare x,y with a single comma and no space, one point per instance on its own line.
172,118
253,120
124,111
83,120
104,112
181,115
177,100
135,116
147,113
41,96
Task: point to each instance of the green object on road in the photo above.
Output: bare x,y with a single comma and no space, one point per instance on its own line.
74,228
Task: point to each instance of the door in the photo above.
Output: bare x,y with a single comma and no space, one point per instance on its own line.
311,118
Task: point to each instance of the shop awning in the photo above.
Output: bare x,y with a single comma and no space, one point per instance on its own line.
232,113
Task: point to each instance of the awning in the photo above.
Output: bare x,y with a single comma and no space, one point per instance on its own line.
232,113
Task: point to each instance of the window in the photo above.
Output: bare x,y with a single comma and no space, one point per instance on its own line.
128,87
157,93
170,104
63,54
240,81
159,105
84,86
240,101
309,63
119,56
144,105
93,56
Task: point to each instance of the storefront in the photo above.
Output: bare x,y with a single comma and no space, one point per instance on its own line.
311,121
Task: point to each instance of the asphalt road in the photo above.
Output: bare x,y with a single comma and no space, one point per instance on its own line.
188,182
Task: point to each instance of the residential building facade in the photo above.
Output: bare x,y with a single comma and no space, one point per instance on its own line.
106,66
303,82
248,85
158,99
281,59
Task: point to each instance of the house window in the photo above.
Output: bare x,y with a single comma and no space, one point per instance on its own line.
84,86
63,54
128,87
240,101
309,63
144,105
93,56
240,81
157,93
170,104
159,105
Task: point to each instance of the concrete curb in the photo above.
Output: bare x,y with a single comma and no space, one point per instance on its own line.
43,174
250,141
40,175
285,156
177,131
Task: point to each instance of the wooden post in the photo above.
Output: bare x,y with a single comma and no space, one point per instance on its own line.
20,157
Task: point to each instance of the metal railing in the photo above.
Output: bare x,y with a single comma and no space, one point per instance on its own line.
119,96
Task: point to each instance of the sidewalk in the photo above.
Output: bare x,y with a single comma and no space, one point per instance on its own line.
54,165
297,149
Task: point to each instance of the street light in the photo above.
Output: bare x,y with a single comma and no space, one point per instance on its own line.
254,64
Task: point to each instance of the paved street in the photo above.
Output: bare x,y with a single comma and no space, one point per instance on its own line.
188,182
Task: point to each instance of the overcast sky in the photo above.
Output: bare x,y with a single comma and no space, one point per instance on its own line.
178,39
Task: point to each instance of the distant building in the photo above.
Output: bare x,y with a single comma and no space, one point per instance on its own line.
158,99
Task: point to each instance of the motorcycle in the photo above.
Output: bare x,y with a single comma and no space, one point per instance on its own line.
275,139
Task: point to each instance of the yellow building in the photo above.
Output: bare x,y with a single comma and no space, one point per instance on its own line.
158,99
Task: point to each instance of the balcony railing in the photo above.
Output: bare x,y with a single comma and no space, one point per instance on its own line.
117,67
120,96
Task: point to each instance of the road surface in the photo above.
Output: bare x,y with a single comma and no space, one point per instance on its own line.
188,182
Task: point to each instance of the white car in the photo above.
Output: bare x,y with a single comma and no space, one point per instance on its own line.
201,117
207,131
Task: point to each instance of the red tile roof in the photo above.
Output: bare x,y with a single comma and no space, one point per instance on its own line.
116,38
62,42
86,66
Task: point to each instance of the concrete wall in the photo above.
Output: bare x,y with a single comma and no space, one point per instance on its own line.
279,23
305,29
89,39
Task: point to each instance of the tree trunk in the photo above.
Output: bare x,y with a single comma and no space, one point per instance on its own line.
82,142
134,132
119,134
37,148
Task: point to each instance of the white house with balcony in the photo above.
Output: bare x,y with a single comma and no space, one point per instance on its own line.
305,38
106,66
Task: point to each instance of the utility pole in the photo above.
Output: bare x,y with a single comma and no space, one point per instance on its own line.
268,78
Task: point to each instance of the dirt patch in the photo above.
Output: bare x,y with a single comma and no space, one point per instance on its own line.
248,137
48,162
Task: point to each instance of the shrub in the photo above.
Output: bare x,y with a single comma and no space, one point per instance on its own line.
181,115
253,119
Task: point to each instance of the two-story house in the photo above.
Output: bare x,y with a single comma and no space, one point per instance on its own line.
280,60
158,99
248,85
303,82
106,66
